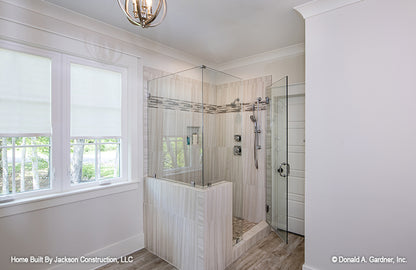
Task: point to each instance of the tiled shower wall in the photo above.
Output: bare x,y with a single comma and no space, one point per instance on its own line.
248,182
253,181
189,227
220,125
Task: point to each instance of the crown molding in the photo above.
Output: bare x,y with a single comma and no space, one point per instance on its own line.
317,7
50,10
297,49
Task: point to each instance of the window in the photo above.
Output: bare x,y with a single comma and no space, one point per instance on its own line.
174,154
25,127
25,164
61,116
94,159
95,123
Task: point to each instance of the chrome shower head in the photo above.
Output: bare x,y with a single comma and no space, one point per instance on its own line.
234,103
253,118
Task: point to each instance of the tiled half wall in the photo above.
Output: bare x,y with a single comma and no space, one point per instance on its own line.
189,227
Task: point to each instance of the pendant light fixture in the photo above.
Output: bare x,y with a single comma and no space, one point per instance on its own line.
143,13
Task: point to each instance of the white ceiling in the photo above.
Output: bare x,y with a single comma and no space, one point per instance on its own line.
218,31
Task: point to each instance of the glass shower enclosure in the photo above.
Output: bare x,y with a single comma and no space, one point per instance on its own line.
277,165
194,128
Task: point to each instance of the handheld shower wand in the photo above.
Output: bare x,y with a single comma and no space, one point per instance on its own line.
254,120
256,132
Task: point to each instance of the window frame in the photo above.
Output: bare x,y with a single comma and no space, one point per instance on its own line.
55,76
13,147
59,168
67,61
97,155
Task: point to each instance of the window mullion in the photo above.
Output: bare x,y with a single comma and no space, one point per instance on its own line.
13,165
63,99
97,159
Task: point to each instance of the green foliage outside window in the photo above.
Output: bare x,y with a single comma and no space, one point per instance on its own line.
173,153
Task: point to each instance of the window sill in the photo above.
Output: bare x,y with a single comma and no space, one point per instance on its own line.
52,200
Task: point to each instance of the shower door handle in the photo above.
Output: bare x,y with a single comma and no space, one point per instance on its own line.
280,170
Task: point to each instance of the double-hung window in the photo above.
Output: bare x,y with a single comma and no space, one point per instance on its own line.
25,120
96,92
61,121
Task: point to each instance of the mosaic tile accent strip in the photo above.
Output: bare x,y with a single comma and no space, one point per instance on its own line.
189,106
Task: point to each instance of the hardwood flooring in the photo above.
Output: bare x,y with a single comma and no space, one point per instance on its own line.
142,260
269,254
272,254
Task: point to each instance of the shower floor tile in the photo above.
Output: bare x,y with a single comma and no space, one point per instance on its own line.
241,226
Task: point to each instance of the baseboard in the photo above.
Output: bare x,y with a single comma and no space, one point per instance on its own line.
118,249
305,267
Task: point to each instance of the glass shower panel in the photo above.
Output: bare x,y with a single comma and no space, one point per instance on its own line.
222,120
194,131
277,170
175,124
222,137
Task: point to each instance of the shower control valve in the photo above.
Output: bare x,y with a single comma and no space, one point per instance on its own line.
237,150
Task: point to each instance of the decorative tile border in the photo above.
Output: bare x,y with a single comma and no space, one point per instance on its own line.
189,106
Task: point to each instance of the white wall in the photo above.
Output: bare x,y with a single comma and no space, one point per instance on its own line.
107,221
108,225
360,134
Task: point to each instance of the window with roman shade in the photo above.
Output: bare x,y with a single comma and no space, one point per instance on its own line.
25,121
96,115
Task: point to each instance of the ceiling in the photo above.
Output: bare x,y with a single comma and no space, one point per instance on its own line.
218,31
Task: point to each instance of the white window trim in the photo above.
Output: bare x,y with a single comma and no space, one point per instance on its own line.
39,202
55,63
67,61
60,185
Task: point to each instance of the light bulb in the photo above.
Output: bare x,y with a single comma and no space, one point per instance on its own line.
149,3
149,6
135,10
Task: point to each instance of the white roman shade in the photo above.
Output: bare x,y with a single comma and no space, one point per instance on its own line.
95,102
25,93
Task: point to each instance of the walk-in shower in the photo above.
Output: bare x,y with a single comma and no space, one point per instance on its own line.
194,123
200,125
204,185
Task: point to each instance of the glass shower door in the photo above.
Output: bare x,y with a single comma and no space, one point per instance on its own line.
278,168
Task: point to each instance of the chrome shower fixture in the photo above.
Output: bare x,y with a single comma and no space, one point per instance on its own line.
257,131
234,103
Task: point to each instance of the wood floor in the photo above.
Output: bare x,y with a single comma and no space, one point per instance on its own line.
269,254
142,260
272,254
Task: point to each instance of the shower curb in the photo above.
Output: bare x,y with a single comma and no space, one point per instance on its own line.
250,238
